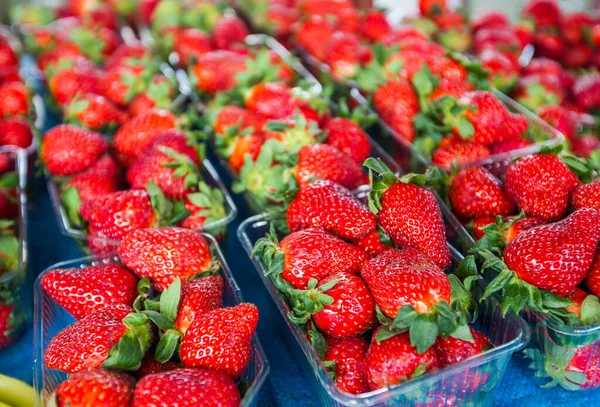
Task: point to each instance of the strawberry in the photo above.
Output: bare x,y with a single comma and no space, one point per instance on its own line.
586,196
100,387
293,132
559,118
67,149
508,228
100,179
14,99
543,66
577,56
199,297
492,19
375,25
281,20
372,243
502,40
94,112
349,357
544,13
85,290
141,131
451,350
190,44
451,88
15,132
160,93
455,34
399,206
91,342
504,73
228,349
592,279
540,185
116,214
151,366
432,7
396,103
228,31
342,55
78,79
313,34
330,206
211,387
11,324
458,153
166,255
215,71
509,145
327,162
475,192
349,138
395,360
586,91
400,34
234,119
9,75
556,257
299,261
126,54
8,58
245,146
123,82
405,277
585,145
549,44
271,100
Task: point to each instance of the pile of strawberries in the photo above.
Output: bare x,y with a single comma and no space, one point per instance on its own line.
141,330
368,285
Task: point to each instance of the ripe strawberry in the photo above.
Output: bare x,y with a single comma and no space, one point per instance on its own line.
394,360
100,387
342,55
281,20
330,206
405,277
245,146
577,297
234,119
122,82
592,279
585,145
396,103
9,75
549,44
509,145
126,54
215,71
458,153
94,112
100,179
577,56
151,366
299,261
451,350
349,357
493,19
228,348
228,31
199,297
141,131
540,185
372,244
586,91
85,345
544,13
543,66
502,40
475,192
78,79
504,73
8,58
190,44
206,207
116,214
432,7
511,227
11,324
160,93
67,149
451,88
271,100
539,90
211,387
85,290
313,34
163,255
586,196
327,162
349,138
375,25
559,118
15,132
14,99
556,257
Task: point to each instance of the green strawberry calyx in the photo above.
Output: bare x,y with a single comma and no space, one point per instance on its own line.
127,354
167,212
310,301
360,115
70,200
555,361
210,204
376,73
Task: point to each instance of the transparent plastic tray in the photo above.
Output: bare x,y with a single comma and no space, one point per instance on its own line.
436,388
51,318
209,175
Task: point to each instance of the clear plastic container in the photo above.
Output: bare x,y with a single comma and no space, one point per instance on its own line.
209,175
449,386
11,282
50,318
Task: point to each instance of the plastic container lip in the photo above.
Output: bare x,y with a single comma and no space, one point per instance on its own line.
38,341
213,176
556,136
380,395
20,157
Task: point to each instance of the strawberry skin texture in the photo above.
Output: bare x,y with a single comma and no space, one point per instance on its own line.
412,218
349,138
151,366
459,153
372,244
327,162
162,255
452,350
81,78
67,149
396,102
405,277
100,388
475,192
349,357
83,291
199,297
352,311
342,54
215,71
509,145
313,34
540,185
15,132
85,344
98,112
330,206
186,388
191,43
394,360
586,91
221,340
95,182
233,116
587,361
301,264
271,100
592,279
228,31
587,196
13,99
375,26
556,257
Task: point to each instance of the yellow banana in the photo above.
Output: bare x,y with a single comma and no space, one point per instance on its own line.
15,393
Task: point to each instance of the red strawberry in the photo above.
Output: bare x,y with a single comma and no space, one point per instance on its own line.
159,94
349,357
458,153
215,71
585,361
585,145
342,55
549,44
432,7
451,350
245,146
502,40
493,19
375,25
198,297
206,207
330,206
577,56
394,360
78,79
164,255
577,297
228,348
556,257
94,112
271,100
349,138
85,290
313,34
544,13
8,58
509,145
174,388
475,192
67,149
396,103
151,366
405,277
559,118
372,243
14,99
586,196
234,118
592,279
327,162
543,66
299,261
116,214
228,31
540,185
281,20
539,90
126,54
15,132
586,91
11,324
85,345
451,88
100,179
101,388
504,72
123,82
190,44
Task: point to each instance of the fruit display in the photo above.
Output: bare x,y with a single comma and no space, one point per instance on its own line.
140,337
